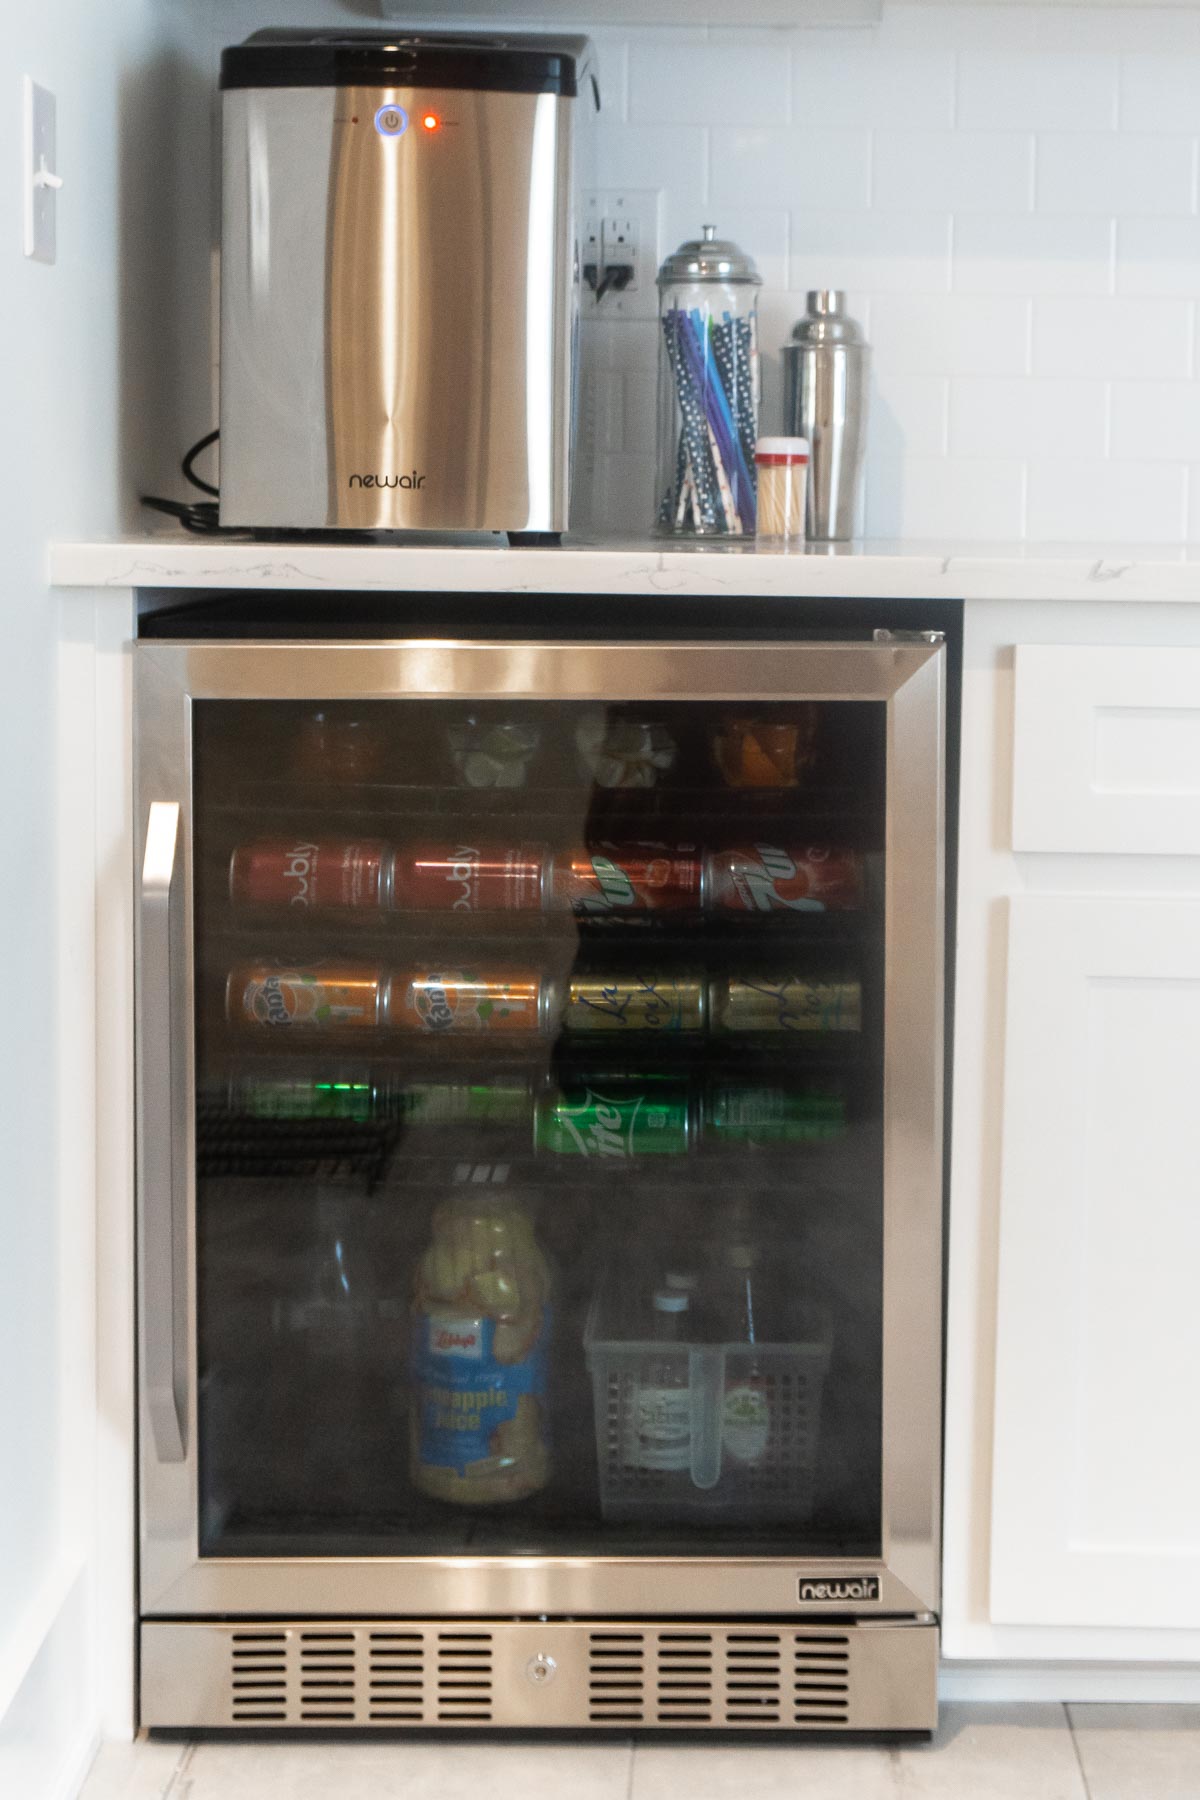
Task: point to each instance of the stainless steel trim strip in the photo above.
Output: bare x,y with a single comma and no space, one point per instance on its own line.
625,1674
159,1156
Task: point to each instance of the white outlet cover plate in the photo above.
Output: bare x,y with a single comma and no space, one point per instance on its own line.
643,206
39,137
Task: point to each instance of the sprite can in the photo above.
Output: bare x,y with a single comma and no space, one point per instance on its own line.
619,1120
463,1103
305,1097
736,1114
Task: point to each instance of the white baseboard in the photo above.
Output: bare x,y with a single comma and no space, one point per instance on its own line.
1145,1683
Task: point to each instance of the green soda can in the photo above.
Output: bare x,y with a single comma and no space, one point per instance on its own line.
463,1103
738,1114
305,1097
619,1121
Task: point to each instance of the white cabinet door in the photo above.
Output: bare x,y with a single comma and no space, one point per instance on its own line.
1096,1486
1106,749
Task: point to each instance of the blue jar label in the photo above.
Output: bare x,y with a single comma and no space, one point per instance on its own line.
464,1394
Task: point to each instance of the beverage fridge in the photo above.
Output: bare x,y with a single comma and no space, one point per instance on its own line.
540,1066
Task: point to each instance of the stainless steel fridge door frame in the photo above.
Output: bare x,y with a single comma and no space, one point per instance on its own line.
909,678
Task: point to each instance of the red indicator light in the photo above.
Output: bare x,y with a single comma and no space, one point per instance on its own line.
431,122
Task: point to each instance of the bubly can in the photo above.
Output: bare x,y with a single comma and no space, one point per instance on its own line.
470,877
312,873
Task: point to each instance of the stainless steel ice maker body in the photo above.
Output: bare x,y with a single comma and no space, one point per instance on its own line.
398,282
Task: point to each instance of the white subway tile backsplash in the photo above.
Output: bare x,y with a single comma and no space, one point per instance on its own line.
1120,172
851,82
991,416
936,497
1129,502
710,84
1032,254
1012,90
673,158
954,171
1116,337
1158,256
756,166
1160,92
908,416
1008,193
1157,420
879,253
949,336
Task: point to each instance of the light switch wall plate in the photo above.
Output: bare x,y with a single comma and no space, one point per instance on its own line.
41,180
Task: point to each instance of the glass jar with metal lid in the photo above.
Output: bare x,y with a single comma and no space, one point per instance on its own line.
708,389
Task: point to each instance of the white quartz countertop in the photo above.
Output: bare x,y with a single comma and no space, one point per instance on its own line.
868,569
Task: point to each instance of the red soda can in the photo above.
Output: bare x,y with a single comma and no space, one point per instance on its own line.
617,879
470,878
311,873
772,878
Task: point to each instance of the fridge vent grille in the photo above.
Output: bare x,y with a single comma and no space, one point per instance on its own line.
396,1678
616,1677
328,1677
674,1675
821,1680
718,1678
464,1677
259,1673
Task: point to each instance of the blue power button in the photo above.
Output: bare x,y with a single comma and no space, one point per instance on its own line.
390,121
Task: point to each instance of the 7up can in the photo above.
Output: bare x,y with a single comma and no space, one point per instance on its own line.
614,880
618,1120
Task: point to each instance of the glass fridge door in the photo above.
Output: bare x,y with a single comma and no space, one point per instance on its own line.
538,1068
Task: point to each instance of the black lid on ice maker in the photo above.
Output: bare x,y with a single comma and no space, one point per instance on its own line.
507,65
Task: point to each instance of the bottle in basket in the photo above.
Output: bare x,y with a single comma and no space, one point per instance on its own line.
746,1405
660,1423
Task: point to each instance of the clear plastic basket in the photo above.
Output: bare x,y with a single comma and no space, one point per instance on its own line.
775,1484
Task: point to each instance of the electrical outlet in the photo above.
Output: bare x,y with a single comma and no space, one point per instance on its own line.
620,232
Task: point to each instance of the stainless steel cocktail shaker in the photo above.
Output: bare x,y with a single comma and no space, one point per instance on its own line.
825,401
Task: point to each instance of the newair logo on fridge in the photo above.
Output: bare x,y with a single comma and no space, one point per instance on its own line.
844,1587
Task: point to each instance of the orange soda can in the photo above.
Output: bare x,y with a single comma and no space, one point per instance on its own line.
327,997
458,1001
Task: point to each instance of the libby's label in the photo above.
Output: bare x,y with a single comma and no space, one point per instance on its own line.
465,1397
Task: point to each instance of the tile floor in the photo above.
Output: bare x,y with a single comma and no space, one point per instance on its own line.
980,1753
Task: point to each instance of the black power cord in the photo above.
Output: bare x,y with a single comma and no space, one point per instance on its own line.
201,516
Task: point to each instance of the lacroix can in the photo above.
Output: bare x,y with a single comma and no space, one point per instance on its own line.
311,873
615,1119
785,1003
645,1002
763,878
614,880
328,997
470,877
458,1000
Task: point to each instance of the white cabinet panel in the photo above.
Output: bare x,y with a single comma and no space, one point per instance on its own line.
1107,750
1096,1485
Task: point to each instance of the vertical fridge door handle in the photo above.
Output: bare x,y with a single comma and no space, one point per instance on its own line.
162,1166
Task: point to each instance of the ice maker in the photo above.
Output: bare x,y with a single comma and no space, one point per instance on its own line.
399,277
